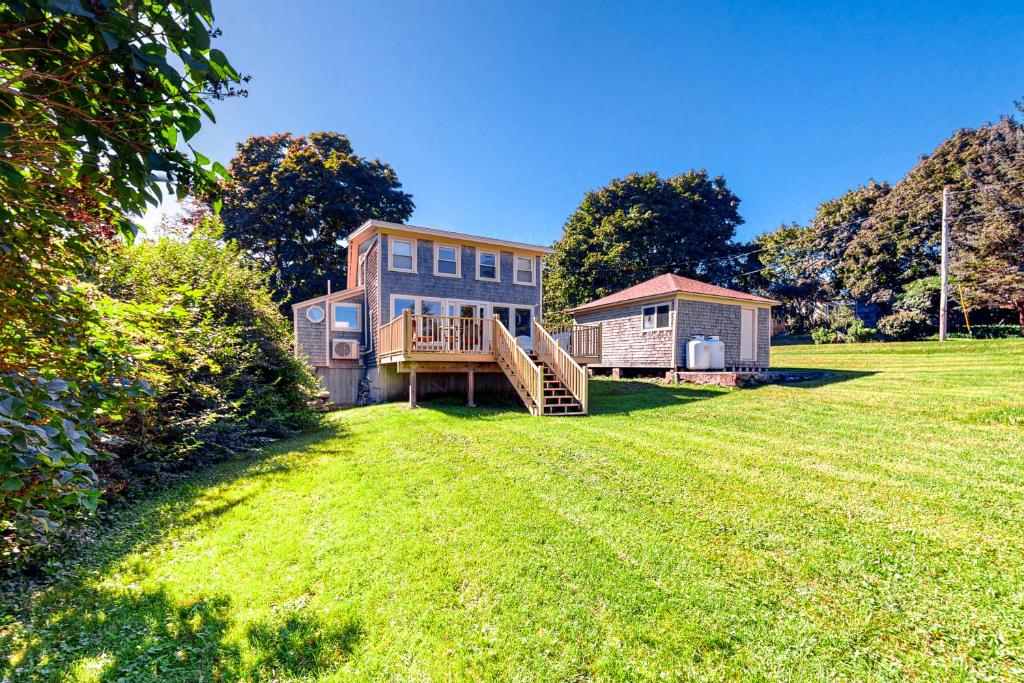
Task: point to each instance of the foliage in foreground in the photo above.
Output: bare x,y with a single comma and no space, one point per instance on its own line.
227,377
861,527
98,102
188,360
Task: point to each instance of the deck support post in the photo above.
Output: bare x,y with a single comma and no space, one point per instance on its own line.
616,373
469,389
412,389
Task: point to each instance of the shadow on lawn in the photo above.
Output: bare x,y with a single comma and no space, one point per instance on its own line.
627,396
125,635
72,625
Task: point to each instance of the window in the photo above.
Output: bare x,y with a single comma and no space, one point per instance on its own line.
346,317
523,327
524,270
403,256
315,314
431,307
503,315
446,261
656,317
399,304
487,266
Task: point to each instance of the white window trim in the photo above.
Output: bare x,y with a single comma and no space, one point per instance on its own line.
309,309
415,252
497,265
533,270
458,260
361,270
445,302
359,318
643,314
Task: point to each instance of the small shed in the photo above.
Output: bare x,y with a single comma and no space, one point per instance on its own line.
648,326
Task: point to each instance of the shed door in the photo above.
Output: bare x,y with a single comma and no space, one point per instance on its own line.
748,334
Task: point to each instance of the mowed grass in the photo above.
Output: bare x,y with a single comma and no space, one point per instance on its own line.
867,526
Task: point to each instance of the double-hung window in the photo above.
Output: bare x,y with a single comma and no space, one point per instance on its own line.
487,266
524,274
656,317
402,255
446,260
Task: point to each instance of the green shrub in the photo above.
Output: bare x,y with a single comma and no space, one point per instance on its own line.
995,331
227,377
823,335
905,325
858,333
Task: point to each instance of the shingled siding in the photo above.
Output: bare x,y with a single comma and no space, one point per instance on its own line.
310,336
625,344
764,336
721,320
373,320
425,283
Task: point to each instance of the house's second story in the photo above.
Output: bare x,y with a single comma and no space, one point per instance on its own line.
438,272
394,268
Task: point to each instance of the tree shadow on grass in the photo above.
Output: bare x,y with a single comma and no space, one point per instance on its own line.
127,635
627,396
73,625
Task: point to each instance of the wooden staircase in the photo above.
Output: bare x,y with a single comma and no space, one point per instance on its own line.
558,400
537,376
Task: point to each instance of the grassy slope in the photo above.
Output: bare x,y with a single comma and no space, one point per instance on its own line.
866,526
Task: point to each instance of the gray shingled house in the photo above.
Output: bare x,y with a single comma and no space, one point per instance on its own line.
648,326
433,311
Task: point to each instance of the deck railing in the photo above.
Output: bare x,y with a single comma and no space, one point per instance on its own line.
583,342
508,351
415,333
567,370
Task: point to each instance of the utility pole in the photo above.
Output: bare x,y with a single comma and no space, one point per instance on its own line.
944,269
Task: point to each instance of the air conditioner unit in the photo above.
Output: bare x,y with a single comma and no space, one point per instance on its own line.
345,349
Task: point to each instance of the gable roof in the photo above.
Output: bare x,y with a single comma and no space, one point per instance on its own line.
369,226
669,284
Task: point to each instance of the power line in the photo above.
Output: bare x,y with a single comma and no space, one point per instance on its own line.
989,186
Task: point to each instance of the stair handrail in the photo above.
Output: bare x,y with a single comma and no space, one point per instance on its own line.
567,370
507,349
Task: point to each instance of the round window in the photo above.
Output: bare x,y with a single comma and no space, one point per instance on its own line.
315,314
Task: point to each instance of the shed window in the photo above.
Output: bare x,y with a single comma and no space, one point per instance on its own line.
402,255
346,317
524,270
656,317
446,260
487,265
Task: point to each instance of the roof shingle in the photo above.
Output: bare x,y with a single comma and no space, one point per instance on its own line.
669,284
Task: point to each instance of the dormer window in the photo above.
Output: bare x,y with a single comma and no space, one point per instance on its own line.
487,267
402,255
524,271
446,260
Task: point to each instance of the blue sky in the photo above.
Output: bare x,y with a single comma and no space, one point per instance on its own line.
498,117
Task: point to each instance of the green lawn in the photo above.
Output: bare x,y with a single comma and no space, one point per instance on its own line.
865,526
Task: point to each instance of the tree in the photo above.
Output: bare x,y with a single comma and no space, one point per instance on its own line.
641,226
292,200
97,103
785,265
989,248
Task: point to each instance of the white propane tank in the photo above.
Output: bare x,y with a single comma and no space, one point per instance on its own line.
717,353
698,354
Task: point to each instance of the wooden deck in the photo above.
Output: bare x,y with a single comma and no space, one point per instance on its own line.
548,379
